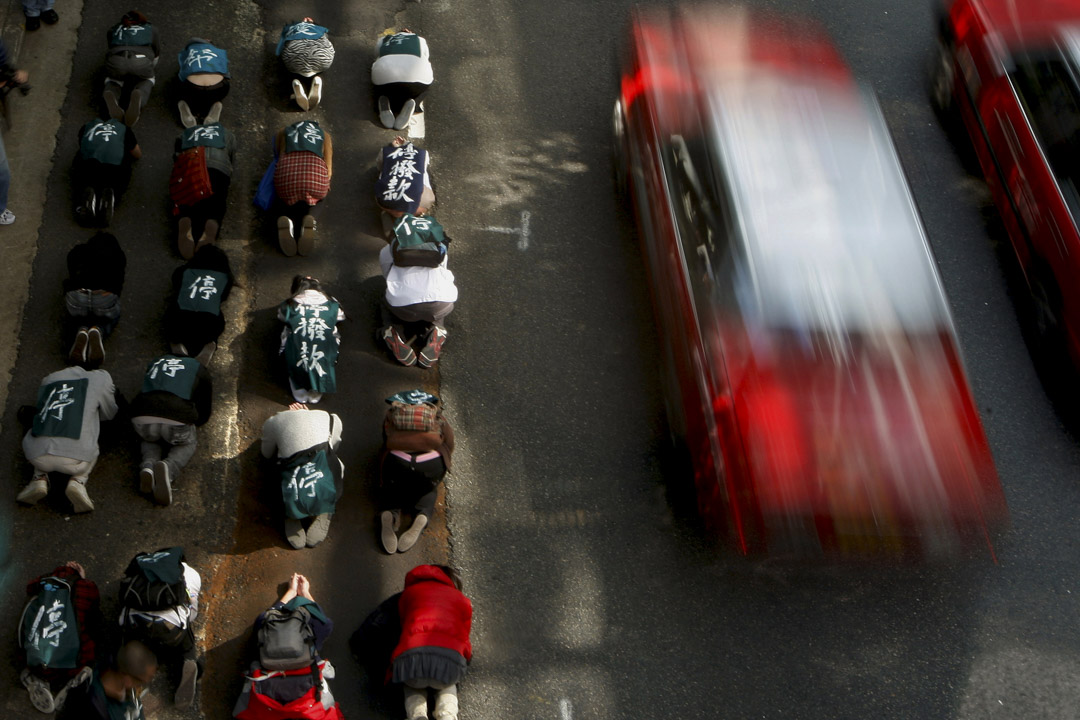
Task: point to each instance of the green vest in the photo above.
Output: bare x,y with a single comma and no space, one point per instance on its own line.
311,349
304,135
208,135
308,482
130,35
400,44
103,140
200,291
171,374
60,408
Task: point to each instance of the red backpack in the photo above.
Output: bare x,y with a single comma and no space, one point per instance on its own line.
259,699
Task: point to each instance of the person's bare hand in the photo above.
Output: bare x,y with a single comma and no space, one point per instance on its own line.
76,566
21,76
304,588
298,406
399,141
294,582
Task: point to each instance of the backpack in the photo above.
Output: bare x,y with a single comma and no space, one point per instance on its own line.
418,242
265,695
286,639
190,180
49,628
155,581
421,418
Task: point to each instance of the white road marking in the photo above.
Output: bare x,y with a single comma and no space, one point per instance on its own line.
522,232
565,710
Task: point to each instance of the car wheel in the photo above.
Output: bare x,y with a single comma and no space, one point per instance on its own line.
1046,308
942,78
618,150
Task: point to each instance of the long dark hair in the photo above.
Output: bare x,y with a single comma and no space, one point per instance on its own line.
302,283
211,257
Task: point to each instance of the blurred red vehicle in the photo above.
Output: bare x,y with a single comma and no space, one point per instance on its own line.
811,364
1011,72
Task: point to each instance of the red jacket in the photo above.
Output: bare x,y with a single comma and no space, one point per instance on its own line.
434,613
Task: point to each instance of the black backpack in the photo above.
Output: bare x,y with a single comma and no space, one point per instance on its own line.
155,581
286,639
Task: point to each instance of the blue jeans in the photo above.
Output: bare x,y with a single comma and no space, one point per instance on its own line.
34,8
5,176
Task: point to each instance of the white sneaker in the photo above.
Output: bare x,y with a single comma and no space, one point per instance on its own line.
407,109
316,93
35,490
299,95
76,493
7,217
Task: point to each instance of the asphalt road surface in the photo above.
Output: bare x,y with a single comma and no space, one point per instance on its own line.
595,593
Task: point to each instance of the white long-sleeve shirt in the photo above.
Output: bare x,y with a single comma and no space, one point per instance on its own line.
412,285
402,68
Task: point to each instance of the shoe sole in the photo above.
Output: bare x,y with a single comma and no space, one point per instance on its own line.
131,115
184,241
162,484
113,104
40,696
209,235
77,355
146,481
307,236
79,501
402,120
387,537
32,498
95,349
185,691
286,241
316,93
300,96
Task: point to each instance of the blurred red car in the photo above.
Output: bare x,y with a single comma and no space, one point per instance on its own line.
810,359
1011,70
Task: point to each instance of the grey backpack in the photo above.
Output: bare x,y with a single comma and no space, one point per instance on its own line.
286,640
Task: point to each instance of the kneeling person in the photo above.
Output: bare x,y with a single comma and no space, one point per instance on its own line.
175,398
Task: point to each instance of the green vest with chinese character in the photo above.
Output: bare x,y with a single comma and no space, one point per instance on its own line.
311,348
310,480
60,408
200,291
103,140
304,135
208,135
400,44
171,374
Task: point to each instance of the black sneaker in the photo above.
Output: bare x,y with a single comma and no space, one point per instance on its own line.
32,23
86,212
106,206
49,17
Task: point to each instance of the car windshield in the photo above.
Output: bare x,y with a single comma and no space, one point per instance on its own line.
830,236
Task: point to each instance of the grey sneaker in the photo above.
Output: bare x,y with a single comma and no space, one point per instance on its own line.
7,217
410,536
295,534
76,493
318,529
186,118
400,349
40,694
207,353
389,525
162,483
214,114
386,117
